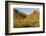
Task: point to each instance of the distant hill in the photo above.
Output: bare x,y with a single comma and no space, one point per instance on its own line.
31,20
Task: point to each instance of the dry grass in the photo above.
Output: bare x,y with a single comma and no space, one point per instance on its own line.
31,20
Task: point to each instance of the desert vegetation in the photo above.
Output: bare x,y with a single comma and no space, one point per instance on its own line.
22,20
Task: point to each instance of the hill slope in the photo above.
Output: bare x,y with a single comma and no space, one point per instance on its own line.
31,20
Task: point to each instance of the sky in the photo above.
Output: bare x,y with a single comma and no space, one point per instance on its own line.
26,10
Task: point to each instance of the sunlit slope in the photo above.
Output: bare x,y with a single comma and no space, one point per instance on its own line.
31,20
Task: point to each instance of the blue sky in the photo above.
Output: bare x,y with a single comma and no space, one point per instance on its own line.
26,10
